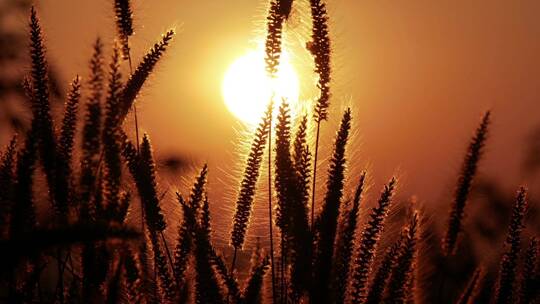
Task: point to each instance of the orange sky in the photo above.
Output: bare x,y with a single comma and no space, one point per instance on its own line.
418,74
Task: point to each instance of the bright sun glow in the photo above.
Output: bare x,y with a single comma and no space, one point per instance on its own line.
247,88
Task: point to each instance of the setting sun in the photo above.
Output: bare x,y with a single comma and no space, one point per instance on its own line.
247,88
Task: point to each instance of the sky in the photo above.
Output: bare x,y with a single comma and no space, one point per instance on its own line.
418,75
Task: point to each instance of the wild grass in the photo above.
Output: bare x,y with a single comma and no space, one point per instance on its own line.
82,249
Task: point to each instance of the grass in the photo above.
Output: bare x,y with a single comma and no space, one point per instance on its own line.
82,250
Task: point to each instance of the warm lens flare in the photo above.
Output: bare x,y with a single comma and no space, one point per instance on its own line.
247,88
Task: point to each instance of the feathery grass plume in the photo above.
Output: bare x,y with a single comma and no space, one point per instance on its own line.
284,8
166,283
117,212
274,31
320,48
400,282
530,276
69,123
145,68
124,24
326,224
274,28
249,182
148,290
301,159
67,135
368,242
184,243
252,292
197,195
132,276
345,244
112,173
471,290
283,165
207,289
142,168
228,278
380,280
58,183
504,292
291,212
23,215
466,176
216,261
7,181
91,134
196,202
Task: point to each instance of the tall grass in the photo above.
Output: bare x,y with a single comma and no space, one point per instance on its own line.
74,244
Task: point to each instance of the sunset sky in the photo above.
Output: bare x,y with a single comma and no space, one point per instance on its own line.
418,75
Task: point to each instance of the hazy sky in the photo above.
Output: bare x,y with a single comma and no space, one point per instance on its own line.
418,74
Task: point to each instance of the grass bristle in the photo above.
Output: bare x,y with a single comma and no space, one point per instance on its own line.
367,245
143,70
504,292
400,282
124,24
530,277
326,223
345,243
466,176
249,182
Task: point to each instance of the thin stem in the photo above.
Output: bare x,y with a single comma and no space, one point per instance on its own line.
315,175
166,249
133,106
270,217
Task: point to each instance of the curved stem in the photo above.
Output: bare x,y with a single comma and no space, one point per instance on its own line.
134,106
270,217
315,175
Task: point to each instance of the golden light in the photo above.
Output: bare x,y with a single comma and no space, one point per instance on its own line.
247,88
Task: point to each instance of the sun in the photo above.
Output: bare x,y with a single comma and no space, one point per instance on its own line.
247,88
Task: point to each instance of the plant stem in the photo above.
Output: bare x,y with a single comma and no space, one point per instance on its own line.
315,175
167,249
270,217
134,106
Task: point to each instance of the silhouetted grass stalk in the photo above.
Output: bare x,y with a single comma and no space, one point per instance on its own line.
319,46
504,292
466,177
